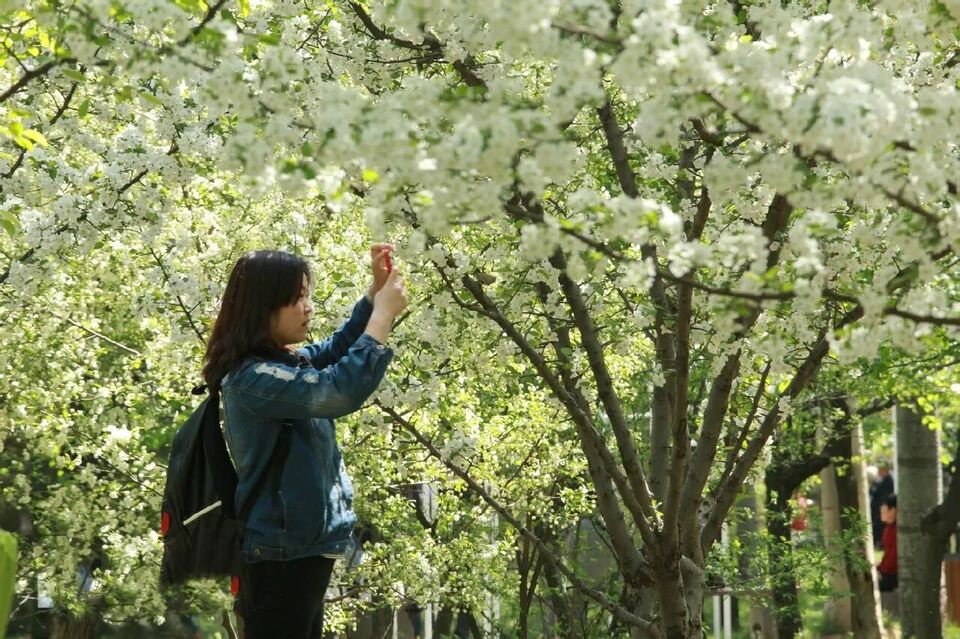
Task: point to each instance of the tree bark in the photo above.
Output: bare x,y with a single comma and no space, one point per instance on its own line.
70,627
660,437
836,612
762,624
865,619
673,608
919,557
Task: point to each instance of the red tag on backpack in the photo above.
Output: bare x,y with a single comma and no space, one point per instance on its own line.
164,523
235,585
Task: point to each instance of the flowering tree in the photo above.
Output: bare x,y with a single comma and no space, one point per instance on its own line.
637,230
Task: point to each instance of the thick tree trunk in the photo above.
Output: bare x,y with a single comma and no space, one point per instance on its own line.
836,612
865,618
919,558
693,594
670,592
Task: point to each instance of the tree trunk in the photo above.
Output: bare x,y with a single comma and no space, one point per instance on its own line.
70,627
646,606
693,594
852,491
919,559
669,584
836,612
660,436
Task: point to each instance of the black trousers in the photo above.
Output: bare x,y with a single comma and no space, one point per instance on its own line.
888,583
284,599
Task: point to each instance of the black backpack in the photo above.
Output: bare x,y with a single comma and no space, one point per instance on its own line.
201,529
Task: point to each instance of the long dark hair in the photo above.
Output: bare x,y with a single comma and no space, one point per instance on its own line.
261,282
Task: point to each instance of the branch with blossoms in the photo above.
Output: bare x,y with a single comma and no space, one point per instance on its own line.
32,75
728,291
603,466
463,66
725,494
546,552
827,154
63,228
604,469
180,303
56,116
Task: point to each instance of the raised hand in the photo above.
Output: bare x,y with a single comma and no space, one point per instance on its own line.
379,265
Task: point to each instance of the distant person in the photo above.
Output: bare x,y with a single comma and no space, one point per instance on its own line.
888,564
881,489
799,521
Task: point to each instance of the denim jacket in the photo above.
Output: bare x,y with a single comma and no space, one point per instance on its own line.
311,513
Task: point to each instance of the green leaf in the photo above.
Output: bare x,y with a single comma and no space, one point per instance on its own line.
36,136
152,99
9,222
84,108
73,74
244,8
308,171
23,142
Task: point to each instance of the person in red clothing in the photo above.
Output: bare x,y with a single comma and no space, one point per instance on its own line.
889,595
888,565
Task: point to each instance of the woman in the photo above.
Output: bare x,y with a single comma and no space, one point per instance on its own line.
278,404
889,596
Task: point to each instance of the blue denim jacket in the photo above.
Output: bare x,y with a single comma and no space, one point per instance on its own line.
312,513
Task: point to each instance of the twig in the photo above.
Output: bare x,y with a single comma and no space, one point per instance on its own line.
96,334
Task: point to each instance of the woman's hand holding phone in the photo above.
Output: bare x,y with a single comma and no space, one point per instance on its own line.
389,299
380,265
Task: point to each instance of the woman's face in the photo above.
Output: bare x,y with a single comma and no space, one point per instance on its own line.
290,323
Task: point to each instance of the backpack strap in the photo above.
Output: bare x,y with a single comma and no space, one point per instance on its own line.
275,469
221,468
215,450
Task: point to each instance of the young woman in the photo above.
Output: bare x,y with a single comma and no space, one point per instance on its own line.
279,403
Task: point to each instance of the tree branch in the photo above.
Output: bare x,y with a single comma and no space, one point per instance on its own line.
212,11
605,388
604,469
545,551
805,373
94,333
27,77
644,516
183,307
